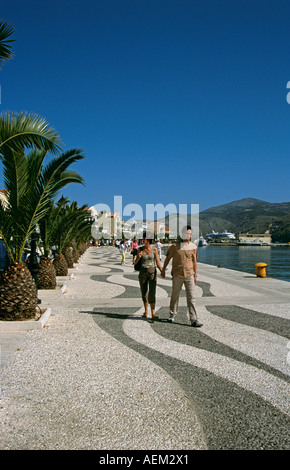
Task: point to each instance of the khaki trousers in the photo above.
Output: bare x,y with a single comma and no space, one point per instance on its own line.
177,283
148,282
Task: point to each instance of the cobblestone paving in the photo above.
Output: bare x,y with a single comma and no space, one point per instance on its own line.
222,386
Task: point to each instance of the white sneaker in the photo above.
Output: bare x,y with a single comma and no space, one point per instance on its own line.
171,318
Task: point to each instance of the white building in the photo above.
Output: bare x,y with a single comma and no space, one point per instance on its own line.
3,197
107,225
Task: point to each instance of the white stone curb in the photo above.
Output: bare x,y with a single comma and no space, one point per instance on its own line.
63,288
49,292
10,326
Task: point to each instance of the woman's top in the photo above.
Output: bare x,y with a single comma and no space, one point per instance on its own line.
123,248
148,261
135,246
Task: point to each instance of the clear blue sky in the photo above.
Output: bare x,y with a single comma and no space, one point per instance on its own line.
173,101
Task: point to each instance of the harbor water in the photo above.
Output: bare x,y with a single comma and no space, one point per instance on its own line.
244,258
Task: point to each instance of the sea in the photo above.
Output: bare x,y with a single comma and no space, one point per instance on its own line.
244,258
240,258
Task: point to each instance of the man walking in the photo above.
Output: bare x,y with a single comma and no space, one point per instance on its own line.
159,246
184,267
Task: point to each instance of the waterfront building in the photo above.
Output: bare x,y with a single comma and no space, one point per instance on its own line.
3,197
254,238
109,223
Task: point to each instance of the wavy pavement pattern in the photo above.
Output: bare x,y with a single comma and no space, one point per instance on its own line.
249,340
270,388
234,369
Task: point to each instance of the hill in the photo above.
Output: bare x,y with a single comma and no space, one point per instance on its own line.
248,215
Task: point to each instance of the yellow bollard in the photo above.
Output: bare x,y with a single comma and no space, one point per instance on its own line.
261,269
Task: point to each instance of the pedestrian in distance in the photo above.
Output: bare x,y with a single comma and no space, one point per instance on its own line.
184,272
123,251
159,247
134,249
128,244
148,275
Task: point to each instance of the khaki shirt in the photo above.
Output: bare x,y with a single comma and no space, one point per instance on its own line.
184,256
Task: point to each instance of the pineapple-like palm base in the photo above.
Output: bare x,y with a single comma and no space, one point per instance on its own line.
76,255
46,274
60,265
18,293
69,257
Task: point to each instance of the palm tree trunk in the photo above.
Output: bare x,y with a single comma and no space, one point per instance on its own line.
33,262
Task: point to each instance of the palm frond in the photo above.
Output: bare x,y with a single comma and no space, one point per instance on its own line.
15,176
24,130
31,189
46,224
60,163
6,31
69,220
48,183
6,228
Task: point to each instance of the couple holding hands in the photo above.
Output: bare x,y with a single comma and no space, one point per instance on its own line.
184,266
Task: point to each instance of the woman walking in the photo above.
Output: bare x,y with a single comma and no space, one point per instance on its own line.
134,249
148,275
123,251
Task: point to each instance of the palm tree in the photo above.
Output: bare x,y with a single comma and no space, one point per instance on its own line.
6,31
58,234
69,222
83,233
31,186
47,272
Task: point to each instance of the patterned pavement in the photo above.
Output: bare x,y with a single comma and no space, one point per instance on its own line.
233,372
234,369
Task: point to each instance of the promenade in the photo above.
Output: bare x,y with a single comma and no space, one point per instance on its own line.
99,376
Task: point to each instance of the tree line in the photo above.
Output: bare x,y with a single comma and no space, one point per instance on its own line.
35,171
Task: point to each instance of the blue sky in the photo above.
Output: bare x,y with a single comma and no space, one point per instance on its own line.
173,101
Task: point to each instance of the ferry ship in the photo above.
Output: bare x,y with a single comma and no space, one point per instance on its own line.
216,235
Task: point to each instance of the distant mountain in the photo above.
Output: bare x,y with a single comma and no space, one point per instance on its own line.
248,215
